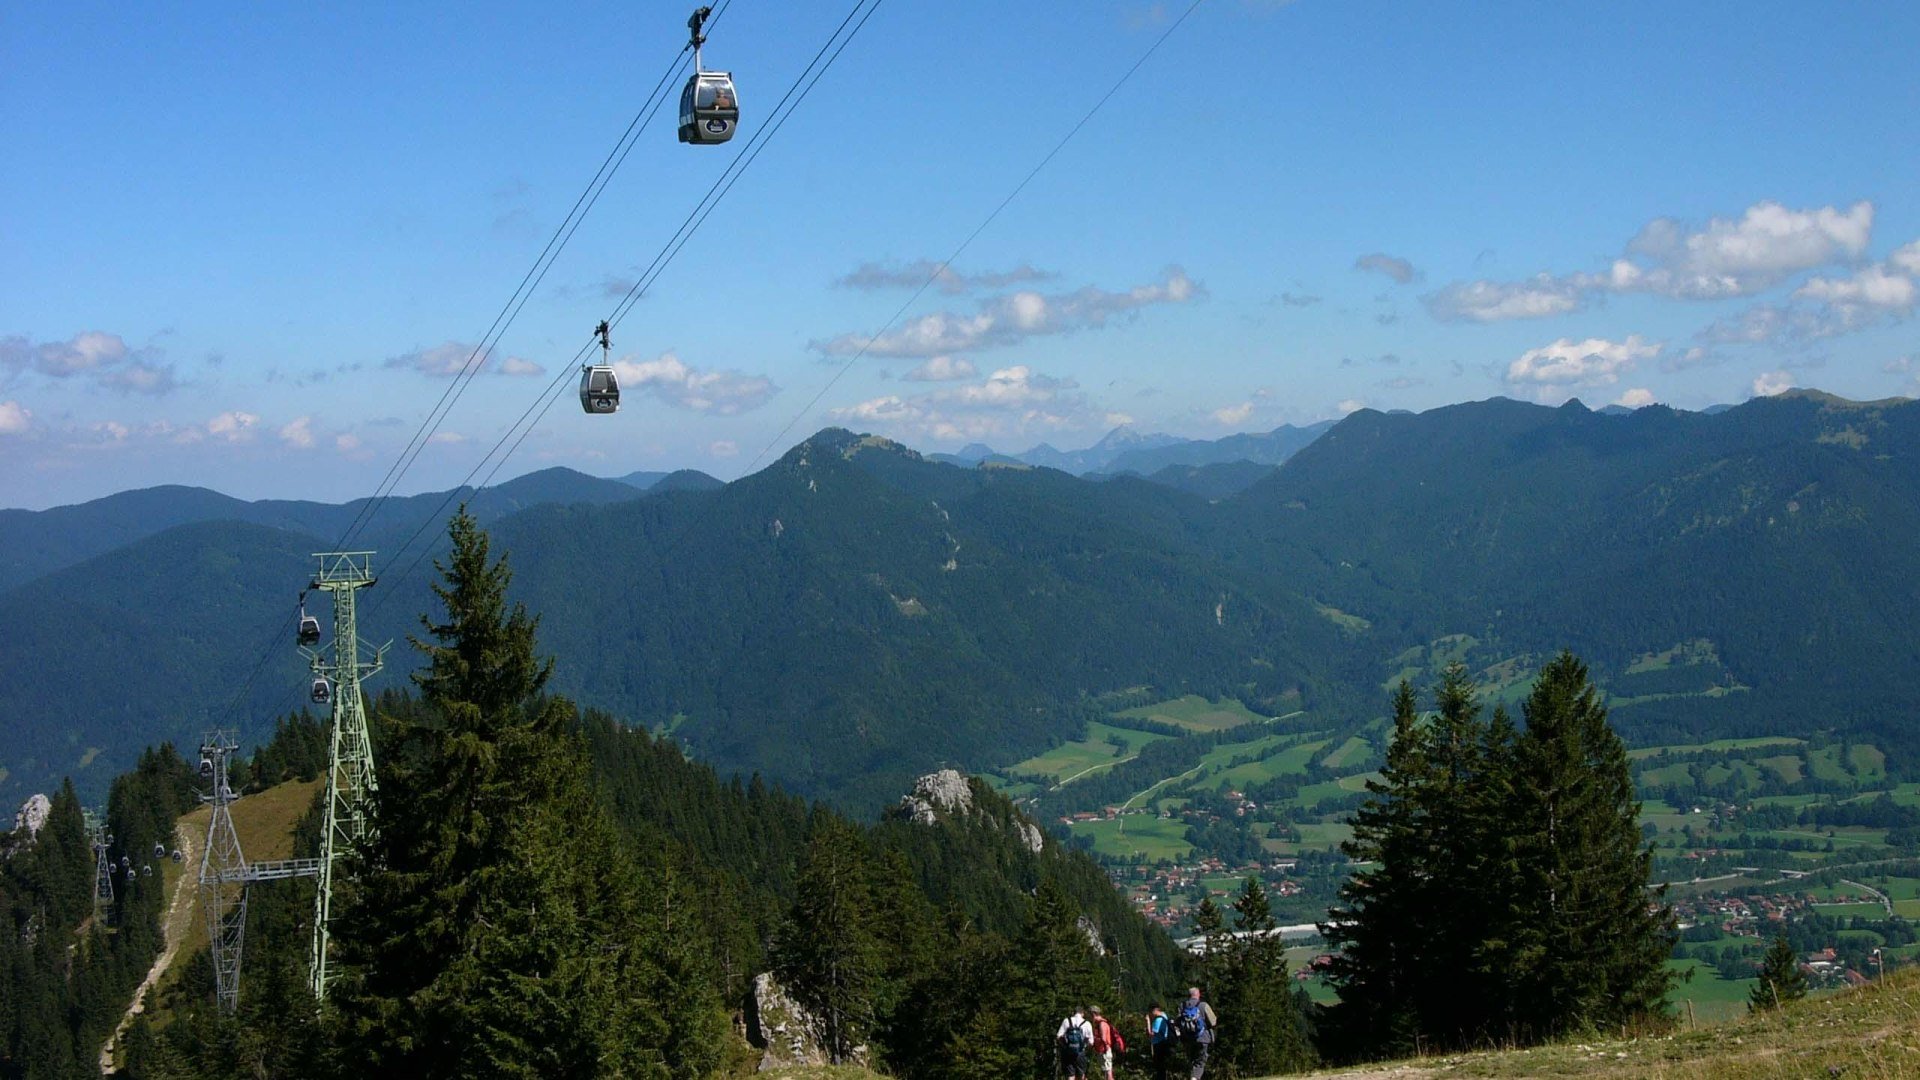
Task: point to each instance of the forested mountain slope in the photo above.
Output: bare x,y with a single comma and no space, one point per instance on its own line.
38,542
855,614
1763,538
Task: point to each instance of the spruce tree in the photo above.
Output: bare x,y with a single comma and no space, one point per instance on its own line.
1049,970
1588,940
1379,929
1780,978
828,957
1254,990
497,928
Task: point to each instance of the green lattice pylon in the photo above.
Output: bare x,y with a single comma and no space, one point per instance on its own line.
350,775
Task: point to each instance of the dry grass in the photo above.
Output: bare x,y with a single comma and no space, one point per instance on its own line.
265,822
1872,1033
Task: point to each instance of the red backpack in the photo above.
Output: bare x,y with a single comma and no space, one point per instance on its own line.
1105,1036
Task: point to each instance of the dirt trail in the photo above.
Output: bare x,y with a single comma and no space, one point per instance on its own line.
180,912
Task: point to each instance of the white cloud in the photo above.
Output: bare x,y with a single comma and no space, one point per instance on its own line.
724,448
1350,406
1739,257
941,369
1771,383
1380,262
1871,286
1725,258
1232,415
447,438
1593,362
1899,365
298,433
445,359
1011,401
520,365
1638,397
93,354
15,418
1005,320
1906,259
670,379
232,426
346,443
943,277
1492,301
450,358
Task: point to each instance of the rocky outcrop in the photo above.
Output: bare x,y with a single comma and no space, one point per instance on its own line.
944,791
1030,835
1092,932
780,1027
783,1030
33,814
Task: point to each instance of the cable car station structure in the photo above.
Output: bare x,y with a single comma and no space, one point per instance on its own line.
225,873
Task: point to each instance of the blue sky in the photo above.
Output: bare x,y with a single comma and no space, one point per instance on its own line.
240,243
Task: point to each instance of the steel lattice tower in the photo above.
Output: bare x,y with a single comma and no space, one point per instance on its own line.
223,873
350,775
102,863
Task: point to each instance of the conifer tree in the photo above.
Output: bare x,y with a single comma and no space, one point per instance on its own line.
1781,980
1048,971
828,958
1379,928
498,928
1254,990
1210,926
1587,939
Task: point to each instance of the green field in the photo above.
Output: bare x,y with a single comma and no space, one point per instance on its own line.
1714,998
1288,762
1070,761
1196,713
1717,744
1314,794
1347,752
1129,835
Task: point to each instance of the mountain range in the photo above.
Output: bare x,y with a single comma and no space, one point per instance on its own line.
857,613
1127,450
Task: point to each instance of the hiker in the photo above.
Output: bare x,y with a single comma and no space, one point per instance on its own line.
1074,1037
1106,1043
1195,1025
1159,1040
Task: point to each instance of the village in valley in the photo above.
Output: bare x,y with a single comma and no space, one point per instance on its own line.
1184,799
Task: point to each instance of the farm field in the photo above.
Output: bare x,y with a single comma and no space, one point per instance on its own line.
1196,713
1104,745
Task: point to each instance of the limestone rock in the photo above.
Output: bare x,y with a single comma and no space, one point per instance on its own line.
946,790
783,1030
33,814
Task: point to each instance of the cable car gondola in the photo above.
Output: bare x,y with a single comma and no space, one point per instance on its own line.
309,626
322,691
709,107
599,389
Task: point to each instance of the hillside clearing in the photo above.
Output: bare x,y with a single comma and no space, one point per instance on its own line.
1864,1034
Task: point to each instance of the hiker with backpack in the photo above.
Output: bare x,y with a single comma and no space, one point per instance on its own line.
1106,1043
1073,1038
1195,1025
1159,1040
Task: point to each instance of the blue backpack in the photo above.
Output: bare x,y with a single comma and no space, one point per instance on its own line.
1192,1021
1076,1036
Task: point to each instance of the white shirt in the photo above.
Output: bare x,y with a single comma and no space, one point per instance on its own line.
1076,1020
